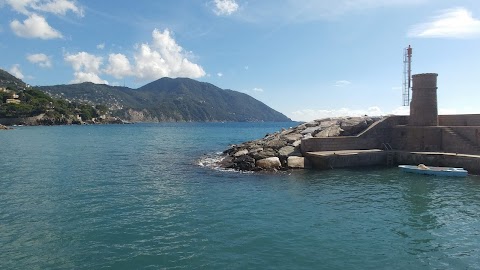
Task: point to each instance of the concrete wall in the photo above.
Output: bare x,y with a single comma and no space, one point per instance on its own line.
459,120
345,161
470,133
338,143
464,140
418,138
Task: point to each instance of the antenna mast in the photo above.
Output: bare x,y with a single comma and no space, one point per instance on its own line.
407,75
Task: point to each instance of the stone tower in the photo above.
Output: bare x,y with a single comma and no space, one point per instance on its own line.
423,108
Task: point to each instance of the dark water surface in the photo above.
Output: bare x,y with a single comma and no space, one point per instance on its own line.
133,197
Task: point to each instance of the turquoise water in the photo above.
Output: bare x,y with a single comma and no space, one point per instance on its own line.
134,197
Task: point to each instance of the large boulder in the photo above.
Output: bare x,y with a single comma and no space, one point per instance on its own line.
297,162
332,131
286,151
291,138
311,130
241,153
265,153
2,127
354,125
244,163
276,144
269,163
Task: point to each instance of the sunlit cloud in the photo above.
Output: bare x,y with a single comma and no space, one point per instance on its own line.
452,23
35,26
40,59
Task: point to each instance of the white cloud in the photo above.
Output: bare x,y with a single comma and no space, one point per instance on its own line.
20,6
310,114
86,67
342,83
59,7
451,23
219,74
40,59
256,89
101,46
118,66
35,26
15,71
225,7
164,58
81,77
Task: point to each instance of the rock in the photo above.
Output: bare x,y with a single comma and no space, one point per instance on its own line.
254,151
286,151
2,127
244,163
227,162
311,124
328,123
311,130
276,144
332,131
297,162
353,126
265,153
269,163
241,153
307,136
292,138
297,143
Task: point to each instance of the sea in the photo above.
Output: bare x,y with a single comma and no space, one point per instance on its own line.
149,196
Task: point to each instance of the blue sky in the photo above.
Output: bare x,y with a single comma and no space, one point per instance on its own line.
305,58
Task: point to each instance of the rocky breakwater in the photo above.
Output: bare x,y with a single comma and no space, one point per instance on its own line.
281,150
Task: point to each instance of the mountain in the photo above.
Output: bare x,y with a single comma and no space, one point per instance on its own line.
8,80
168,99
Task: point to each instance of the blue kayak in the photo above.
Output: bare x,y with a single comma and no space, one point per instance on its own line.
440,171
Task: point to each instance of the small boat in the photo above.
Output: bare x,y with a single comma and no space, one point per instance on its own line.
440,171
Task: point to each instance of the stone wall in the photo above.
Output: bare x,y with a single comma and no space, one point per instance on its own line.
338,143
459,120
345,161
377,134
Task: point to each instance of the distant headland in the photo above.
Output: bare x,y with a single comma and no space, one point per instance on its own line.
164,100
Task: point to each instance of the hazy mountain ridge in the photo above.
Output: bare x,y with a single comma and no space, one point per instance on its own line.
168,99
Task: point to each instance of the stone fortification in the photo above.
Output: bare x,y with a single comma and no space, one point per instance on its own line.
281,150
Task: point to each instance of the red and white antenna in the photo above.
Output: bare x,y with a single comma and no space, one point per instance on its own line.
407,75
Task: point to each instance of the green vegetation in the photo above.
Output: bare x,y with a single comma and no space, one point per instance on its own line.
34,102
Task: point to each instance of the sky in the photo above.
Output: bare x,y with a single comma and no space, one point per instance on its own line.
308,59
